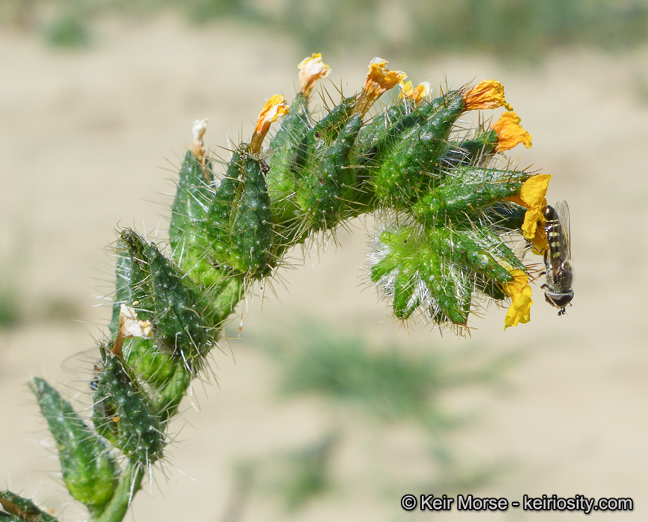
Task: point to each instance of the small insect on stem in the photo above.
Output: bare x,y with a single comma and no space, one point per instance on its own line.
94,383
557,258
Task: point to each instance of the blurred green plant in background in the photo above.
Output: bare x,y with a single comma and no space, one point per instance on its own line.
69,30
523,29
385,389
9,307
15,308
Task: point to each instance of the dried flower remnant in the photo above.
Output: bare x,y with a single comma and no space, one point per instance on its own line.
198,147
273,108
379,80
130,326
198,131
310,70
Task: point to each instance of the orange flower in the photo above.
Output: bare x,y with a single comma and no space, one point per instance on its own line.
510,133
416,94
379,80
310,70
520,292
487,94
273,108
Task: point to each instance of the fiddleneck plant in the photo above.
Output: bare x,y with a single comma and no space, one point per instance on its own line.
446,209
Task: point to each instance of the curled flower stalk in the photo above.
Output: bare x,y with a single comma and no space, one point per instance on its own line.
447,210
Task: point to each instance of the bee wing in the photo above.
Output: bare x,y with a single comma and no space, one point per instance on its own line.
80,362
79,373
562,209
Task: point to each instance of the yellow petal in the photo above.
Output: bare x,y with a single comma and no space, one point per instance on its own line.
534,190
530,225
510,133
520,293
539,240
416,94
487,94
310,70
406,90
533,195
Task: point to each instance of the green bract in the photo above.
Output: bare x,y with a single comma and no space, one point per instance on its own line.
124,414
90,471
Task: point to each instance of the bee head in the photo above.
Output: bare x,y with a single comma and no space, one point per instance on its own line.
559,299
550,213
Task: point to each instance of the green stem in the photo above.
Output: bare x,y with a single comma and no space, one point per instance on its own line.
129,483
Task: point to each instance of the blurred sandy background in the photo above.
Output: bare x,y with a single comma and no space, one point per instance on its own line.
91,139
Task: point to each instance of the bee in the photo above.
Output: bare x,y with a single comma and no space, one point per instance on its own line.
557,258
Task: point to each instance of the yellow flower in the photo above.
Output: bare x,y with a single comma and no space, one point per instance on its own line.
310,70
379,80
487,94
416,94
510,133
273,108
533,197
520,292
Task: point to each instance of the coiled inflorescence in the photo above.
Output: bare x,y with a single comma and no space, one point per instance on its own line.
443,246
